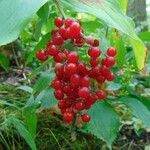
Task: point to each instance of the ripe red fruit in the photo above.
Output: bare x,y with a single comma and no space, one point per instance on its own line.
62,32
40,55
74,30
59,57
57,84
85,118
58,22
94,62
109,61
70,69
67,89
81,69
85,81
104,71
96,43
72,57
100,79
111,51
79,42
92,41
110,76
75,79
58,40
94,52
101,94
79,105
84,92
68,117
52,50
68,22
59,94
62,104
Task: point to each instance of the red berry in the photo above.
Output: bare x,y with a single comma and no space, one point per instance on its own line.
57,84
85,118
96,43
70,69
94,62
62,32
110,76
52,50
84,92
59,94
104,71
62,104
81,69
59,57
58,22
68,117
72,57
111,51
75,79
74,30
67,89
101,94
79,105
100,79
68,22
79,42
93,42
58,40
94,52
85,81
40,55
109,61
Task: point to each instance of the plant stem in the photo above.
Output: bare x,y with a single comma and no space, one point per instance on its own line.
60,8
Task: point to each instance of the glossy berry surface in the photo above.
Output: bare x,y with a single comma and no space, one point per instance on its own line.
78,83
85,118
40,55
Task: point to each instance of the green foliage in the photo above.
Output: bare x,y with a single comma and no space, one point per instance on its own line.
138,109
16,18
19,125
46,98
43,82
145,36
4,62
104,122
110,13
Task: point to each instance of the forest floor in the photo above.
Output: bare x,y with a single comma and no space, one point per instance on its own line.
52,133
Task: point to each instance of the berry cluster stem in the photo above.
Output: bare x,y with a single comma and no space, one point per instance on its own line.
60,8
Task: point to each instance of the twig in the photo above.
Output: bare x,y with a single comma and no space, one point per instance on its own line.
15,56
60,8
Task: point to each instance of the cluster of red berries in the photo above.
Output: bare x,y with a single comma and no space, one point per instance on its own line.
74,79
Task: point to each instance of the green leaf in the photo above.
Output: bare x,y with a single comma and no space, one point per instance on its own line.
31,120
138,109
145,36
41,45
121,51
139,51
110,13
47,99
4,62
113,86
107,10
25,88
15,16
22,131
123,4
104,122
43,82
